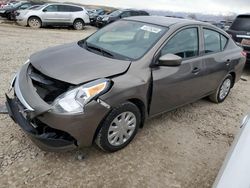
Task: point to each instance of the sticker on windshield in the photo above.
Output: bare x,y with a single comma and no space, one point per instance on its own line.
151,29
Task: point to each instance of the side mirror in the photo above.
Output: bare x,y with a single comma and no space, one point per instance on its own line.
44,10
170,60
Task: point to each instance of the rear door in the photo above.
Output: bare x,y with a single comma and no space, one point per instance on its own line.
64,14
216,60
176,86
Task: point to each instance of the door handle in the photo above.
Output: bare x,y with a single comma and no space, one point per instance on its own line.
196,70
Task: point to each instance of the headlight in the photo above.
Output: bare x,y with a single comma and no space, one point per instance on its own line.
73,101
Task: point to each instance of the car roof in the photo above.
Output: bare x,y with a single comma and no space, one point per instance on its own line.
129,10
241,15
64,4
165,21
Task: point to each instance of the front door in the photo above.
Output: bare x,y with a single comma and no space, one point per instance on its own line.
50,14
178,85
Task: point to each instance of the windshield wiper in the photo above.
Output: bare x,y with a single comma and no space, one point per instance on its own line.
104,52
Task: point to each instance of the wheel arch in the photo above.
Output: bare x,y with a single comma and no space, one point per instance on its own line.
78,19
139,104
34,16
234,77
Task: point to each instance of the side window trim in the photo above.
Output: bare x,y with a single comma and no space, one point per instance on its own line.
226,43
158,52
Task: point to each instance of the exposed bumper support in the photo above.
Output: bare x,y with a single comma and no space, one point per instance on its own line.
43,140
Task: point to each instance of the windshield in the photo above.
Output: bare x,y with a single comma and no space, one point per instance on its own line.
115,13
128,39
99,11
17,4
241,23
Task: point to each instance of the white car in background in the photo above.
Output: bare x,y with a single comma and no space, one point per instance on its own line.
235,172
54,14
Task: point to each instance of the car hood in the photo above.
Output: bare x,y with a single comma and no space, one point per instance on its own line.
73,64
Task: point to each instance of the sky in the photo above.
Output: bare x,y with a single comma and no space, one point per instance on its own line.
199,6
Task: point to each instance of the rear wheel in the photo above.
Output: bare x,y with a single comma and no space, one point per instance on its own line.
119,128
223,90
78,24
34,22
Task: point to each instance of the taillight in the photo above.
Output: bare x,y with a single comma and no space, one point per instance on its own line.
244,53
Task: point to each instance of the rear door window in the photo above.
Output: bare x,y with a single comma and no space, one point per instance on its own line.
75,9
63,8
214,41
135,13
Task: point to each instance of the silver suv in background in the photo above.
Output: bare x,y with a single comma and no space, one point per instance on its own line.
54,14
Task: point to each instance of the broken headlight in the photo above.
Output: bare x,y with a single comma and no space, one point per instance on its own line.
73,101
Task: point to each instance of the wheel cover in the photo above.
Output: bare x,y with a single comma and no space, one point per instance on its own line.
78,25
34,23
122,128
225,88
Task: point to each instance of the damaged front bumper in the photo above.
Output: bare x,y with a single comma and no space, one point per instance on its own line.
51,131
49,140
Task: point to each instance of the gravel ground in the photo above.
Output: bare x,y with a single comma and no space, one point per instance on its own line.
182,148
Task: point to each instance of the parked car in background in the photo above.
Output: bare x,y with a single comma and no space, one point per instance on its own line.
218,24
54,14
93,16
18,12
4,4
236,167
118,14
90,11
240,32
9,12
227,24
102,88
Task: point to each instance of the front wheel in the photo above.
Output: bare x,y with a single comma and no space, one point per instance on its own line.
119,127
34,22
223,90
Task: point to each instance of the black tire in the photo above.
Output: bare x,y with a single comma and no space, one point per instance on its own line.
216,97
102,140
8,16
34,22
78,24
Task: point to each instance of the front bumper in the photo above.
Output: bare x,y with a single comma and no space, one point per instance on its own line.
70,131
101,23
22,22
43,140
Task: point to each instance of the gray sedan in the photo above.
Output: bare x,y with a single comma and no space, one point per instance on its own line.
101,89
